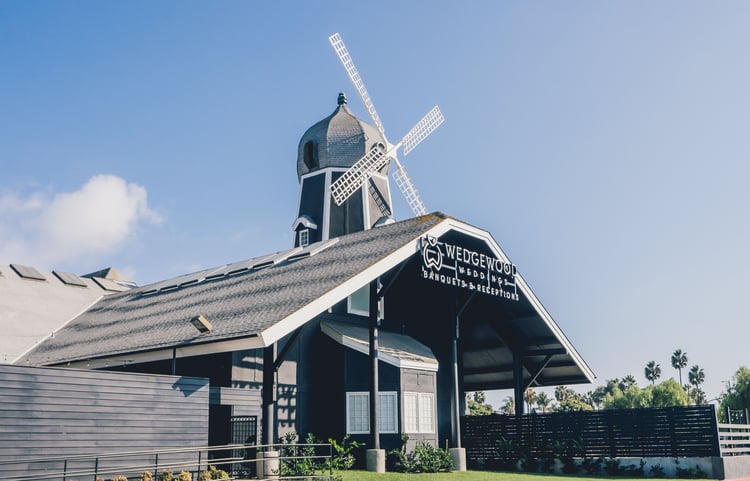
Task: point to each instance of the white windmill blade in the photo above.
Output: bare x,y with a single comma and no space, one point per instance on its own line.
359,85
424,127
407,188
353,178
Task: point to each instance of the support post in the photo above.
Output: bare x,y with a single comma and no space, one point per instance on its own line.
269,394
455,394
518,387
375,455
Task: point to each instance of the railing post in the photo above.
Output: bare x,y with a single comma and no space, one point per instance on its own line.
716,448
156,465
96,468
65,469
197,474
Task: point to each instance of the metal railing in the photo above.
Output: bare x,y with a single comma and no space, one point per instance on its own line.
240,461
734,439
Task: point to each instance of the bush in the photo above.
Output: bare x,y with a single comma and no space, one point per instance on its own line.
343,458
213,473
424,459
146,476
184,476
120,478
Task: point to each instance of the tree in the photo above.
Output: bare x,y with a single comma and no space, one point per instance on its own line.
569,400
668,394
696,376
665,394
679,361
737,396
530,397
477,405
509,406
543,401
628,382
652,371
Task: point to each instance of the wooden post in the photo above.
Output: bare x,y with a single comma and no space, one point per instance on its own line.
269,394
374,401
455,389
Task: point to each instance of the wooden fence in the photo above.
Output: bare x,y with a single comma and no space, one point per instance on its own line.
666,432
734,439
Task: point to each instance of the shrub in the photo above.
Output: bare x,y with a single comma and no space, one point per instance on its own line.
213,473
343,458
425,458
692,473
185,476
165,475
146,476
120,478
657,471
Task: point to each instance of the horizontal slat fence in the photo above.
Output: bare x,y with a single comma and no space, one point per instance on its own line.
666,432
734,439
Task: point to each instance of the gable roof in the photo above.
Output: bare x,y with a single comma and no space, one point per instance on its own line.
254,303
250,304
33,304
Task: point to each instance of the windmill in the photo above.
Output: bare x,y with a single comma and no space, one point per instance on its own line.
354,178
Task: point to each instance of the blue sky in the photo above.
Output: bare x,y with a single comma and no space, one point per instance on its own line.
603,144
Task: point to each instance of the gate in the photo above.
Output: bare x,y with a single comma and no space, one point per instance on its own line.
244,430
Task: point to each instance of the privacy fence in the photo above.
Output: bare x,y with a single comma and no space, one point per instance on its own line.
668,432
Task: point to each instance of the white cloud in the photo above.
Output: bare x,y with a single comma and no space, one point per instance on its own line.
96,219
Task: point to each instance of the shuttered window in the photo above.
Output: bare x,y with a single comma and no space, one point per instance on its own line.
358,412
419,412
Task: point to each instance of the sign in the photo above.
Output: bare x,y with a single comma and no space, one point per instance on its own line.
454,265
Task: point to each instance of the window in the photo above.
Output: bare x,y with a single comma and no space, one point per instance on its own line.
419,412
304,237
310,155
359,302
358,412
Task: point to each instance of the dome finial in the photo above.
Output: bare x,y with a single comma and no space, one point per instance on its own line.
342,98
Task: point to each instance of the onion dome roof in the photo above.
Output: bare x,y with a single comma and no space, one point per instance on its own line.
338,140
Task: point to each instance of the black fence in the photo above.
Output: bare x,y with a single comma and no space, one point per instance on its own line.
667,432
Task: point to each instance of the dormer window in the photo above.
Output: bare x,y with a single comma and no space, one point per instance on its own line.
304,237
310,155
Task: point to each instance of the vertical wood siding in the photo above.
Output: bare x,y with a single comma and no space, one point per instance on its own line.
61,412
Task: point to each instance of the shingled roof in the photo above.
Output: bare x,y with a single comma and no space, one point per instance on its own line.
250,303
256,302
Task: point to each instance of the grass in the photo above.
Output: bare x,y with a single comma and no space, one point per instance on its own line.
467,475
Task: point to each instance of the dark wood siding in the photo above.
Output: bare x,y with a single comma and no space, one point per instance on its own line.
53,411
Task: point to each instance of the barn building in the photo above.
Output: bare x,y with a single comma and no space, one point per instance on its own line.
366,326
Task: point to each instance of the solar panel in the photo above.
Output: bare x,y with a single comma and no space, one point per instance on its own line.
28,272
70,279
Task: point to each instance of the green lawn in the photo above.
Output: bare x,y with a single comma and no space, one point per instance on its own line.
468,475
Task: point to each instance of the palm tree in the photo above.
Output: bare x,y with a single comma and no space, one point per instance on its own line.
679,361
696,376
543,401
509,406
530,397
652,371
628,382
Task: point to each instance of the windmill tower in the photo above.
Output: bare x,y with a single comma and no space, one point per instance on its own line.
342,166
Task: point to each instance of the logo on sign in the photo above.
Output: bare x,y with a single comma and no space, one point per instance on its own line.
455,265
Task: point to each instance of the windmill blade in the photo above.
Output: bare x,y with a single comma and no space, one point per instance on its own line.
352,179
407,188
424,127
359,85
